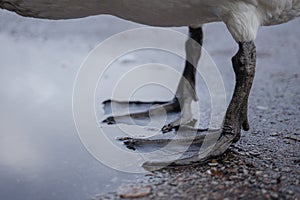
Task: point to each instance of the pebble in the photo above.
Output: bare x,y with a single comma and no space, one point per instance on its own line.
134,191
160,194
214,183
274,134
274,195
290,192
234,177
287,169
213,164
286,141
274,181
254,153
262,107
258,173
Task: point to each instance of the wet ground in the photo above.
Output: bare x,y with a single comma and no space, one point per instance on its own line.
265,163
41,154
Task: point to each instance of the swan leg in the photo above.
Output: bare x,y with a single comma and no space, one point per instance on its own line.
185,93
244,63
216,141
186,89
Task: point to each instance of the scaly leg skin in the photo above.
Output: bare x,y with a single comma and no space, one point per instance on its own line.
185,93
244,67
186,89
244,63
236,118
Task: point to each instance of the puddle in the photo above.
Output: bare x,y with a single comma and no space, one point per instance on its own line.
41,155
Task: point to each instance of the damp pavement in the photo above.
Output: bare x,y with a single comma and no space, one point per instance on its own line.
265,163
42,157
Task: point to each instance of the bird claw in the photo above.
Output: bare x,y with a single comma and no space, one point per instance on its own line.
177,124
169,127
109,120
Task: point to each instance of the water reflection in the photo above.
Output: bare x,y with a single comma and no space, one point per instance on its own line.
41,156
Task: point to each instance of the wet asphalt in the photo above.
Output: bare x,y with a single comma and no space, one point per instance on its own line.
265,163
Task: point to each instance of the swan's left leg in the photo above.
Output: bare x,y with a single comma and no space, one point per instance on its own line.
185,93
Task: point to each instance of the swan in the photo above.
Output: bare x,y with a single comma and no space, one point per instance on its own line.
242,18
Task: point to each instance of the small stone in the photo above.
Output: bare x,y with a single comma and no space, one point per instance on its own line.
254,153
264,191
232,170
252,181
262,107
258,173
134,191
274,195
274,182
160,194
286,141
209,172
234,177
214,183
173,183
274,134
283,178
287,169
290,192
213,164
216,172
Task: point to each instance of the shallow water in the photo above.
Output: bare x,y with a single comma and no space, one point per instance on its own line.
41,155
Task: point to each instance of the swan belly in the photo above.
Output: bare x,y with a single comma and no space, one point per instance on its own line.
154,12
168,12
159,12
